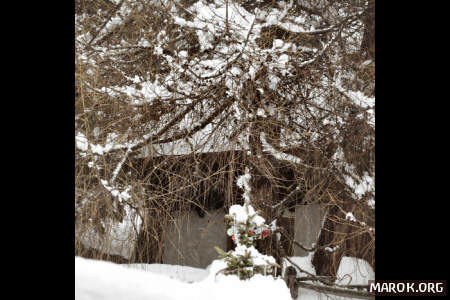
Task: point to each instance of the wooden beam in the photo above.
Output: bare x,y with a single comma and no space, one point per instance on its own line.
335,291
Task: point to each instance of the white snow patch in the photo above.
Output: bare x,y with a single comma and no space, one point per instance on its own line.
365,185
241,214
243,182
303,262
371,203
354,271
350,216
81,142
182,273
257,258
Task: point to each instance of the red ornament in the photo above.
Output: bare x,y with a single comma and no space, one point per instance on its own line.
250,232
232,237
265,233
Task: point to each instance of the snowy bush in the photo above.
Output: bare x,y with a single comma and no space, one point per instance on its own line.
246,226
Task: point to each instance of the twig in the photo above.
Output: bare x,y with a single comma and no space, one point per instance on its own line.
229,63
113,11
119,165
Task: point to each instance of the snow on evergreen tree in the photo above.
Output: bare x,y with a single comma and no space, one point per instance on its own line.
246,227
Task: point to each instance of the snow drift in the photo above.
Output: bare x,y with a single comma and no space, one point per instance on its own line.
104,280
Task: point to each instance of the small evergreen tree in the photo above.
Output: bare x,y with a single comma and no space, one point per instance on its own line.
246,226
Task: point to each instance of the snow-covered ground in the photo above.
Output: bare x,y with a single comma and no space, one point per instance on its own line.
182,273
95,280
